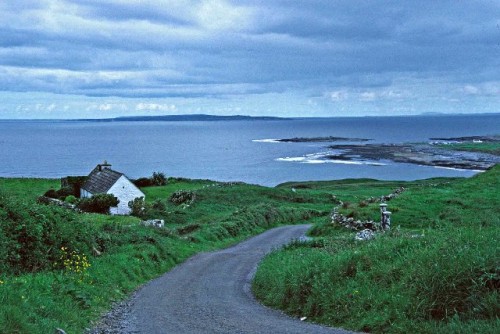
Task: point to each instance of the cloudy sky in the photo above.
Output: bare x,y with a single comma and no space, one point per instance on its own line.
96,58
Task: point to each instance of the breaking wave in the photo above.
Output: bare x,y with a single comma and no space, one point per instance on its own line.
266,141
321,158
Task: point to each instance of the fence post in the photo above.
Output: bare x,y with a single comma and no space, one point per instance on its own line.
385,217
386,224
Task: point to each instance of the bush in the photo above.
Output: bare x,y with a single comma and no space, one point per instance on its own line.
158,205
70,199
159,179
182,196
143,182
60,194
74,183
99,203
31,236
138,207
52,193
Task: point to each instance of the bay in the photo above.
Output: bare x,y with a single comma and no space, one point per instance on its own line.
223,150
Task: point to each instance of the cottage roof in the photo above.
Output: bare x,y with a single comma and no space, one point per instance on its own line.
100,180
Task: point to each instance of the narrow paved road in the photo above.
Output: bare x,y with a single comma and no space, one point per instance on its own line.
210,293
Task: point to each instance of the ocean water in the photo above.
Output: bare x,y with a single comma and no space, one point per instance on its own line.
223,150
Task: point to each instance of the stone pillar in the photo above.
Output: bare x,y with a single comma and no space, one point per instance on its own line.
383,208
335,212
386,221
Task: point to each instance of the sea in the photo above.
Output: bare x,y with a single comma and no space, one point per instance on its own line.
227,150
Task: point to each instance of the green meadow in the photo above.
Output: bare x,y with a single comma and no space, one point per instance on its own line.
436,271
61,269
486,147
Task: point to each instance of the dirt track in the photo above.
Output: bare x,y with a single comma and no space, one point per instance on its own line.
210,293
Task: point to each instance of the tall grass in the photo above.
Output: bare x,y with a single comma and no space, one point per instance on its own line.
437,272
37,297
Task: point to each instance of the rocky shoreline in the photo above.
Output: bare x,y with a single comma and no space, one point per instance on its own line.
320,139
420,154
436,153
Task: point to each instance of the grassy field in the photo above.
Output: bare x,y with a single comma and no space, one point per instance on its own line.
437,271
52,277
446,279
487,147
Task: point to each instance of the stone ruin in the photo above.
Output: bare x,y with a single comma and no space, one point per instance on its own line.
368,228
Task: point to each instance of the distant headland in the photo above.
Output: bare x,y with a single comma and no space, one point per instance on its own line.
186,118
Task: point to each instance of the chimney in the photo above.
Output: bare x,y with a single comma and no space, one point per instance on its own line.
104,165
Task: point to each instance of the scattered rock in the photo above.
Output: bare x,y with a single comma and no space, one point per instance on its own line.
183,197
392,195
159,223
419,154
364,235
95,251
48,200
360,225
351,223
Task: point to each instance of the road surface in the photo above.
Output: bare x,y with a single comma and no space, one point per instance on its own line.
210,293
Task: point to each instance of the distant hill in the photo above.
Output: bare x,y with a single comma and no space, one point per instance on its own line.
187,118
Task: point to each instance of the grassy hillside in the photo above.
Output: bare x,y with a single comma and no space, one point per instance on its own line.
52,276
437,271
63,269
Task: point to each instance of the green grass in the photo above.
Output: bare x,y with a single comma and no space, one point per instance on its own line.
440,282
486,147
174,184
27,188
437,271
38,301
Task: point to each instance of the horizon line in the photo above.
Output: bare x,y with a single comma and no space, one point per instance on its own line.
145,117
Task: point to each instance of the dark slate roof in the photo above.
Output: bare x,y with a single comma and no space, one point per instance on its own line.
101,180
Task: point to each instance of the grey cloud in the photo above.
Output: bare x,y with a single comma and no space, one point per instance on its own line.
130,11
313,46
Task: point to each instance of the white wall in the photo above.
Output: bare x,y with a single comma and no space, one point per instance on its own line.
125,191
84,193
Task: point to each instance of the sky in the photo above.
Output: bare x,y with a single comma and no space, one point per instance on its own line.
102,59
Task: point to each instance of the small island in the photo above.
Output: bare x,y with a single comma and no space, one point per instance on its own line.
420,154
320,139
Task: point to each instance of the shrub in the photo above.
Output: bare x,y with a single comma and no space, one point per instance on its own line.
99,203
31,236
158,205
74,183
138,207
70,199
52,193
143,182
182,196
159,179
59,194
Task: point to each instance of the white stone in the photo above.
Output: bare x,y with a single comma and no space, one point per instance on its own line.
154,222
366,234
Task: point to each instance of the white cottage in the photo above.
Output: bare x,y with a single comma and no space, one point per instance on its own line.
104,180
